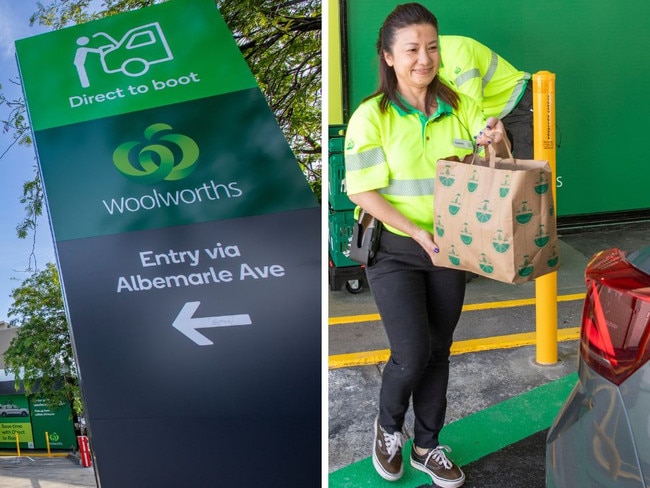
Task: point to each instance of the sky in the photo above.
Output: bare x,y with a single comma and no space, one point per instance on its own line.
17,165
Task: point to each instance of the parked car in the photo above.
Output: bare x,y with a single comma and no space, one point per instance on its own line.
10,409
601,436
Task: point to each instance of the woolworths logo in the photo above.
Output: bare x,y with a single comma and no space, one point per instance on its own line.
162,156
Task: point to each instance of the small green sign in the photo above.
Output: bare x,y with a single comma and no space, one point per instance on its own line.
126,63
15,422
52,426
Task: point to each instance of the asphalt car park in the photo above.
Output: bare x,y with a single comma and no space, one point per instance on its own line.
502,402
38,470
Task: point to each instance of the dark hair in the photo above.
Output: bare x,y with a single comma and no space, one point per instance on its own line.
403,16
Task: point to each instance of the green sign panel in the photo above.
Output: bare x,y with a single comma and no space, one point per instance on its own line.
53,426
113,66
170,165
140,123
31,420
15,422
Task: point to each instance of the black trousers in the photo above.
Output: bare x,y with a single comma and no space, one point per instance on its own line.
519,125
420,305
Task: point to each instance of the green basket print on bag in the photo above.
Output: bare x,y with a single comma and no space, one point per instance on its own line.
485,264
524,213
472,183
554,258
466,235
500,242
446,177
455,205
440,229
542,237
525,268
542,183
504,188
453,256
484,212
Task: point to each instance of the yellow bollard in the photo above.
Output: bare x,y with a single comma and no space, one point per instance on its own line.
47,442
544,149
335,65
17,444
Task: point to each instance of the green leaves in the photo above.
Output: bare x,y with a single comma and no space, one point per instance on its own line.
281,42
40,356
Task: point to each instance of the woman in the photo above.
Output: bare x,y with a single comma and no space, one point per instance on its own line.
393,142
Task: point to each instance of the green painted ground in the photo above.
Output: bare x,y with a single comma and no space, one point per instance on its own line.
474,436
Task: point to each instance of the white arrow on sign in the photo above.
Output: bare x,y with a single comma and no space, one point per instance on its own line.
187,324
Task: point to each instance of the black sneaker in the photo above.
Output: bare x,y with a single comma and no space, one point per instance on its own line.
387,453
437,465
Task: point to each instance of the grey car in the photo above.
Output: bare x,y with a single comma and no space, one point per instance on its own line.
601,436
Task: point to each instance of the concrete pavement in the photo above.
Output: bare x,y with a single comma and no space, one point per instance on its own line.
42,472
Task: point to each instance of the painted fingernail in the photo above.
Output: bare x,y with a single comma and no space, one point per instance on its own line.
489,141
475,137
436,250
488,127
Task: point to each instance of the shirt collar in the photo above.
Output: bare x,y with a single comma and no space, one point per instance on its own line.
443,108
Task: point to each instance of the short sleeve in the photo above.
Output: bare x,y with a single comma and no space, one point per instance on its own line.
366,167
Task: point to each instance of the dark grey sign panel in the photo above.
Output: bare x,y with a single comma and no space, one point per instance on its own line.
225,318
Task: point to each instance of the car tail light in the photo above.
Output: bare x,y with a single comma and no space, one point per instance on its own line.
616,316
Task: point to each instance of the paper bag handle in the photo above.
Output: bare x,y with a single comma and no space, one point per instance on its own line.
491,155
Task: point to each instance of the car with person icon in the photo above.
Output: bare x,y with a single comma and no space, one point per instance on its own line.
135,51
131,55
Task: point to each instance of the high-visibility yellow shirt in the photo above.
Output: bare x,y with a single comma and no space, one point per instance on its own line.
396,152
471,68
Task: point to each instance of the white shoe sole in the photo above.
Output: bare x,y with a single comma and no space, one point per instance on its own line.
382,472
378,467
441,482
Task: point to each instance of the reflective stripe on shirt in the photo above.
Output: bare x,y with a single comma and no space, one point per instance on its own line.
408,188
514,98
494,62
365,159
466,76
476,73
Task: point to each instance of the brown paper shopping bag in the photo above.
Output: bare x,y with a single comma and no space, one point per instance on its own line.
496,218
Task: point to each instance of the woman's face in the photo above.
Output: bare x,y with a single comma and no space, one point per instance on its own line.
414,56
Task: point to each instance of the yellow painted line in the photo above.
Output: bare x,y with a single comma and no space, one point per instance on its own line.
351,319
373,317
368,358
